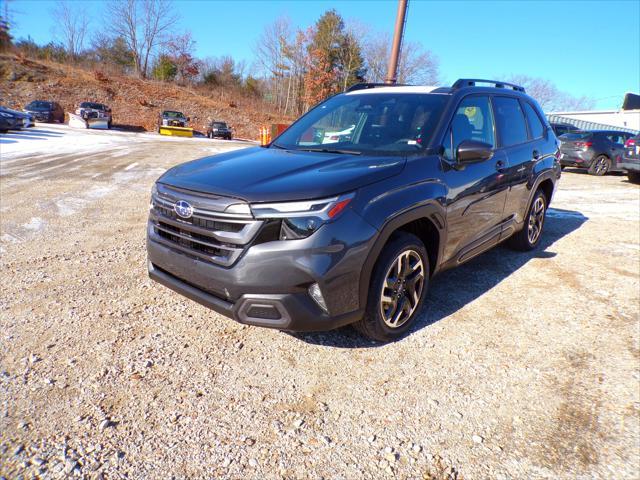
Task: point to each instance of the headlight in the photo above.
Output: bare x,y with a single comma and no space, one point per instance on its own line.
6,115
301,219
154,192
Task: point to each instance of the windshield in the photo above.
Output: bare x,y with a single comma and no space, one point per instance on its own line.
173,114
39,105
219,125
372,123
95,106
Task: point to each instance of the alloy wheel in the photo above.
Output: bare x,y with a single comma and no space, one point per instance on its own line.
601,166
402,289
536,220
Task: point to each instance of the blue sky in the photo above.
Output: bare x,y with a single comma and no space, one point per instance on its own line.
587,48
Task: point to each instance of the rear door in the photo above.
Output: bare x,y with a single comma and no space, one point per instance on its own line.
522,151
477,191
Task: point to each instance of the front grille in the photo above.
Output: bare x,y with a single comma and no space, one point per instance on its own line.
210,234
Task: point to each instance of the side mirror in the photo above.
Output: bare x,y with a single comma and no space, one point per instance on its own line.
473,151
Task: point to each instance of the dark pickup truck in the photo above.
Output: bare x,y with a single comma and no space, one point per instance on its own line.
219,130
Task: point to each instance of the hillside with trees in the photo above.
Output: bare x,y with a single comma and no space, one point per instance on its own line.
148,61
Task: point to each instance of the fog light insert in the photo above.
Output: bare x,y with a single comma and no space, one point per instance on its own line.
316,294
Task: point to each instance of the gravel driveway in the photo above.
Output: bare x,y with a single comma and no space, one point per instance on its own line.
521,366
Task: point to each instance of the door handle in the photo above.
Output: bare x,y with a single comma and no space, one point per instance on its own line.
535,154
500,166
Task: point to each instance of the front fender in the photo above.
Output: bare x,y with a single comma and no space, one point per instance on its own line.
390,210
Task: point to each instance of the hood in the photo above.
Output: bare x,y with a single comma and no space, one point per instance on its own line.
268,175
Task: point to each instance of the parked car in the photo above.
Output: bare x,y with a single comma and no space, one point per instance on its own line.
335,137
93,110
46,111
631,159
170,118
562,128
598,151
9,120
217,129
27,118
302,236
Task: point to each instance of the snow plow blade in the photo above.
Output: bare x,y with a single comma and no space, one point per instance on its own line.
77,121
176,131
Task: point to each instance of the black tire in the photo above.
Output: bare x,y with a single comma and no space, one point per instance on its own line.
562,167
522,240
373,324
109,125
600,166
634,177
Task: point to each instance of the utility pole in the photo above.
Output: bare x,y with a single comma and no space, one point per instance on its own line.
392,70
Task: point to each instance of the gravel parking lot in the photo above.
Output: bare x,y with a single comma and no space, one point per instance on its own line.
522,365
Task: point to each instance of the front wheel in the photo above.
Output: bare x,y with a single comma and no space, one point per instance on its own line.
529,237
600,165
397,289
634,177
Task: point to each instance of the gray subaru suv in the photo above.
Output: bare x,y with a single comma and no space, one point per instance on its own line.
311,233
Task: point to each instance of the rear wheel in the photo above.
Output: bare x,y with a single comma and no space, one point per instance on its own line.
529,237
600,165
634,177
397,289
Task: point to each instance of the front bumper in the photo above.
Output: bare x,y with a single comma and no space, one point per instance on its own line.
221,134
268,285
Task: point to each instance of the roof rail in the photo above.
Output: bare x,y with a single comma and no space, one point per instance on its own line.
365,86
471,82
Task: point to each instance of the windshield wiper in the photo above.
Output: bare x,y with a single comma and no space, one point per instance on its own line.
330,150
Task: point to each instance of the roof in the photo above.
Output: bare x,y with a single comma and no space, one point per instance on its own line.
394,89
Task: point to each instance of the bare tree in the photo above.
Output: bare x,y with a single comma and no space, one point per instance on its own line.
416,65
271,47
72,26
144,25
549,96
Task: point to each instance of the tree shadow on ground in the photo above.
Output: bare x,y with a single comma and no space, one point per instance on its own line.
455,288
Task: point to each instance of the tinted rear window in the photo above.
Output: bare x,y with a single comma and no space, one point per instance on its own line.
576,136
510,121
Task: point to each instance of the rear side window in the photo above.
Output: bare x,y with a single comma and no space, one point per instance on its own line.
510,122
535,125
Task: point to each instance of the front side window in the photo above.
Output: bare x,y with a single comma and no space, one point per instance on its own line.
535,125
473,120
371,123
510,123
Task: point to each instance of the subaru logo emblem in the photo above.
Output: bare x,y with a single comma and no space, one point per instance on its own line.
183,209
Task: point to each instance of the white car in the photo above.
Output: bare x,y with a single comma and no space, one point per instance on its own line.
335,137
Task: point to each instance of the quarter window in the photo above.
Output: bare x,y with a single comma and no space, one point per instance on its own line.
510,122
535,125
